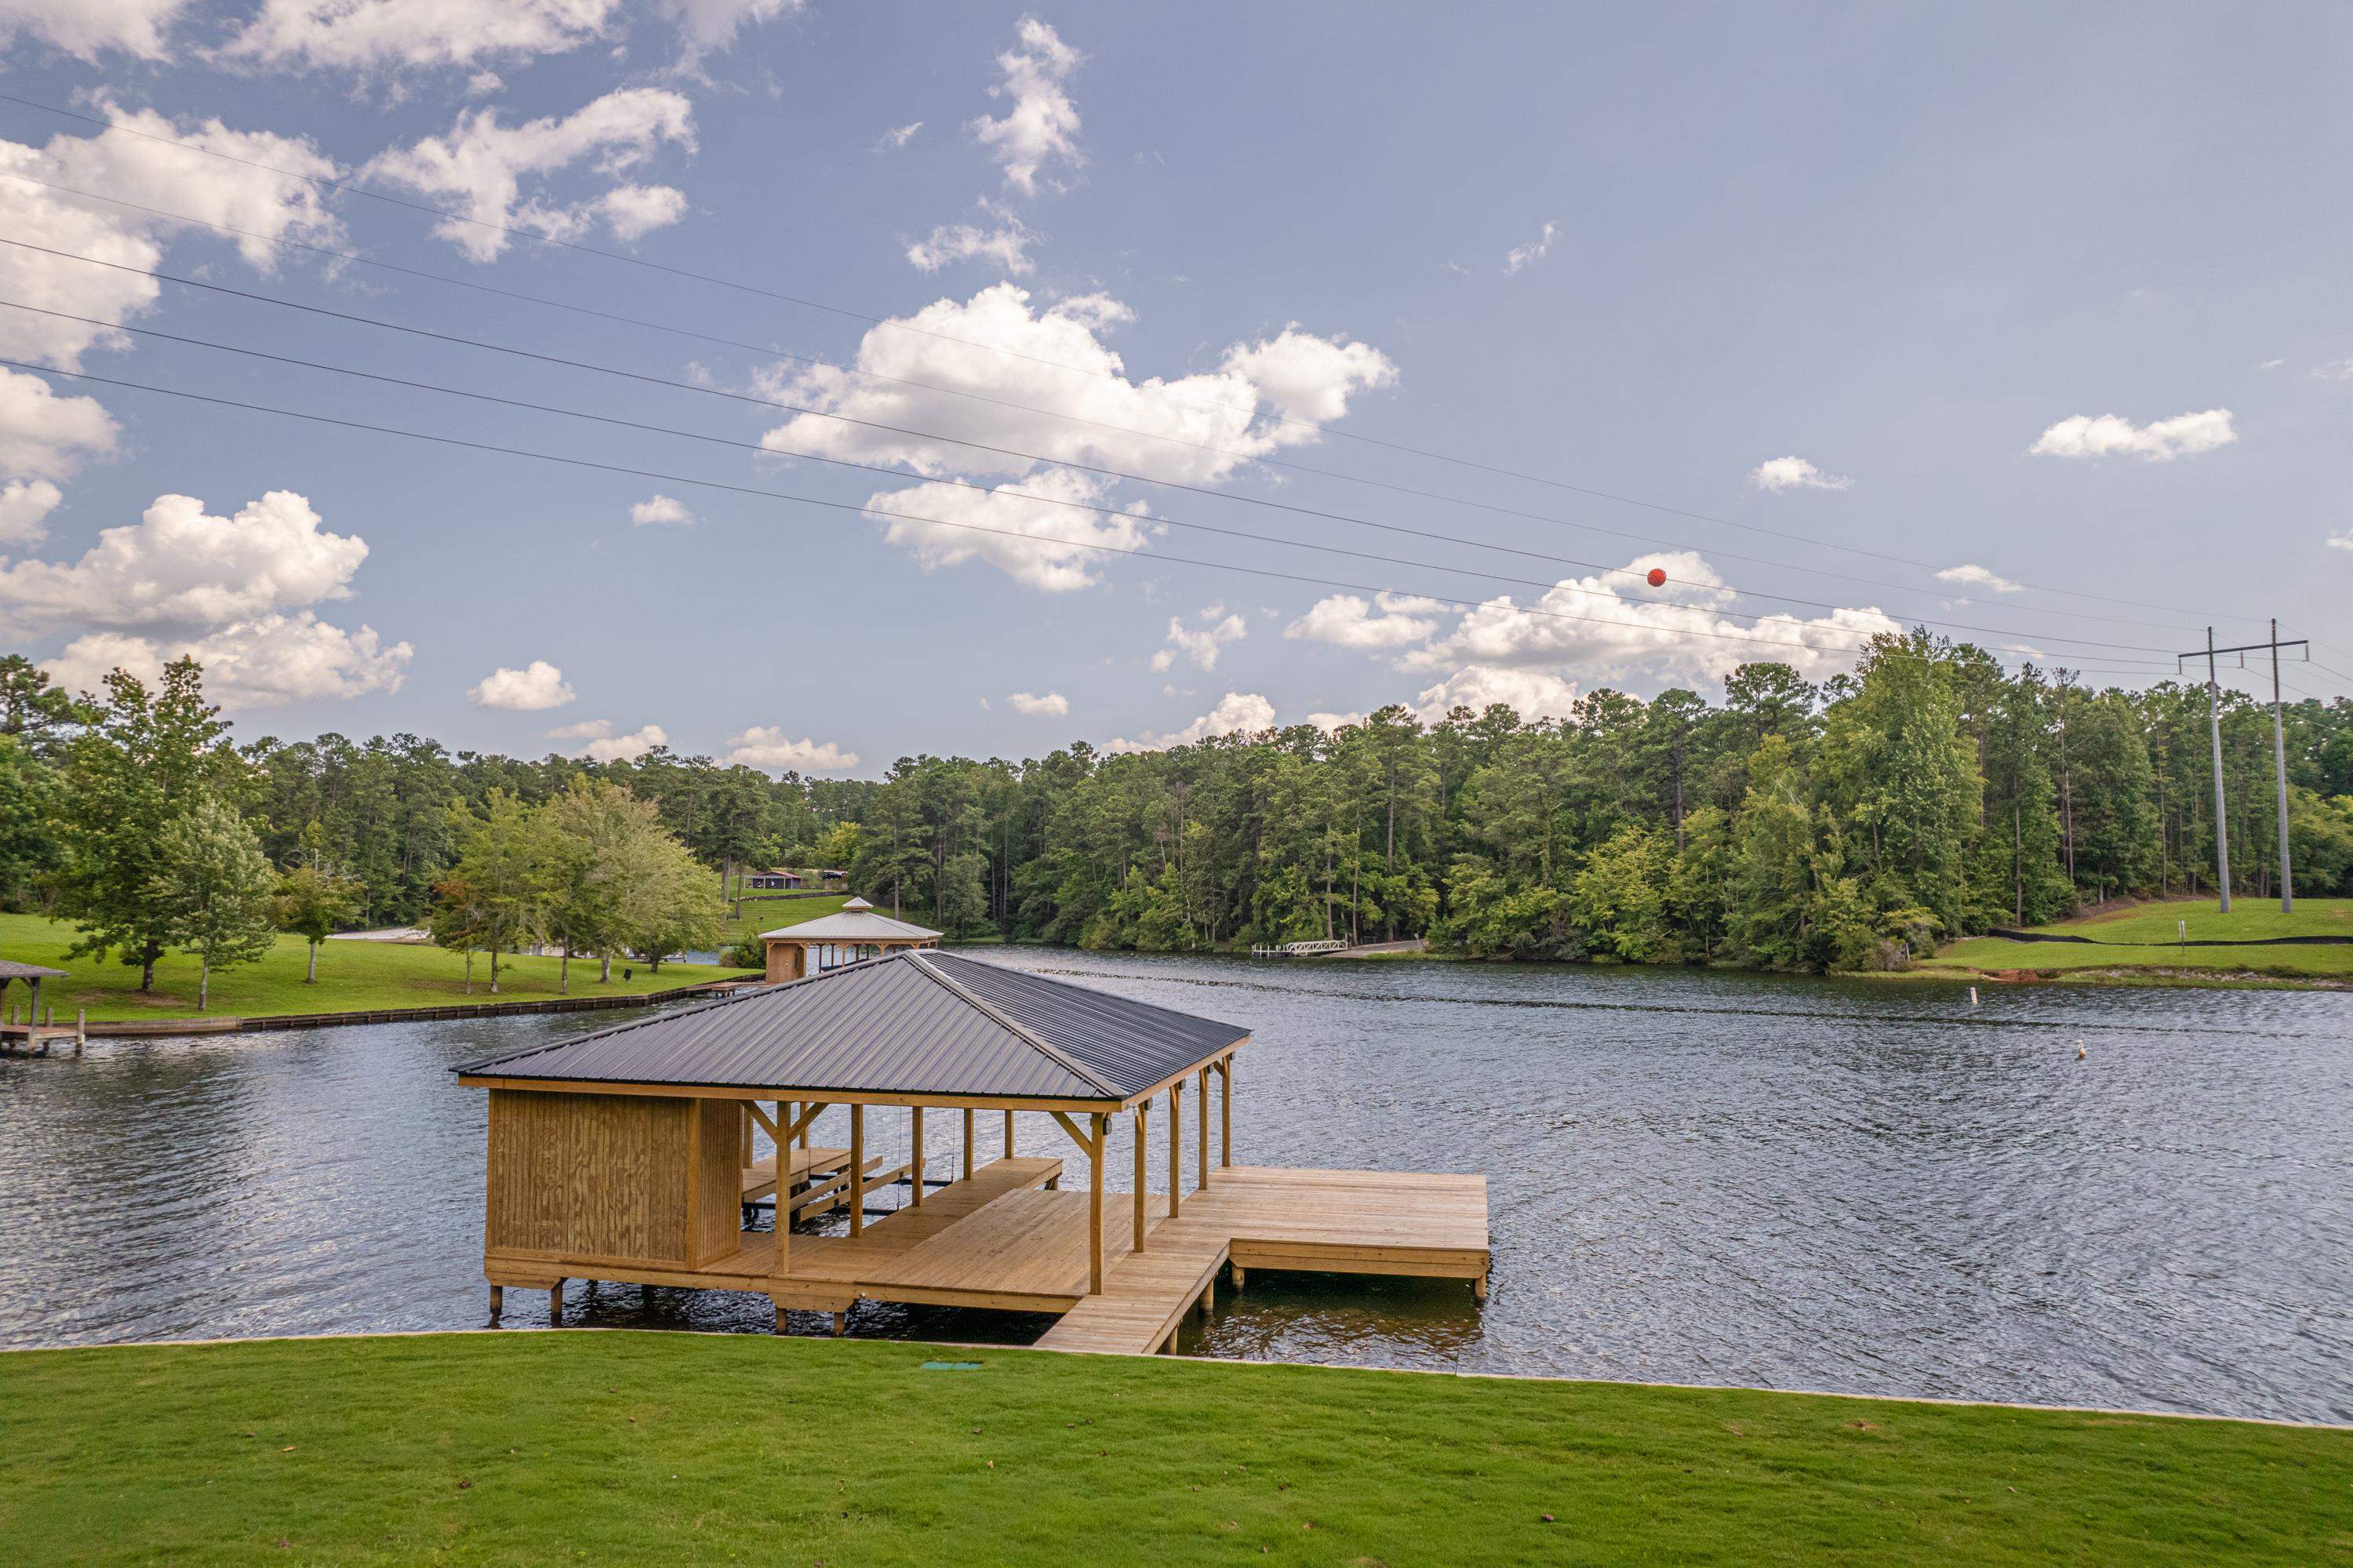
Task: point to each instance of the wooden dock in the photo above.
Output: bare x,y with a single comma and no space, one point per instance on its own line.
629,1154
1004,1239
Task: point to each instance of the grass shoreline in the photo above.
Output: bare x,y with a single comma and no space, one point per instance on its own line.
616,1445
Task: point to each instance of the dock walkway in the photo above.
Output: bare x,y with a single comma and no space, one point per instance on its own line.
1327,1222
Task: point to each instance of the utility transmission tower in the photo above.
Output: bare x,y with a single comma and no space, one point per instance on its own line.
2279,754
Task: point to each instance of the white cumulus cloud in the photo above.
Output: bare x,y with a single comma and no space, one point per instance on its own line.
2160,440
2341,541
180,565
1041,124
1052,548
604,746
1055,388
1052,704
25,506
44,435
1780,473
1007,246
359,35
1331,724
768,747
483,166
659,509
898,136
1584,628
1530,694
1346,621
537,685
268,204
1237,713
85,29
1200,644
1972,575
261,662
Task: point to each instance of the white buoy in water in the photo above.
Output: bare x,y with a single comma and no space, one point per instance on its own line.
1973,996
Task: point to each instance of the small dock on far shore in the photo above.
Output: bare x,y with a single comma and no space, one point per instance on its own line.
36,1035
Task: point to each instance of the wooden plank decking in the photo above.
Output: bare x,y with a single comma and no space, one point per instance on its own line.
1330,1222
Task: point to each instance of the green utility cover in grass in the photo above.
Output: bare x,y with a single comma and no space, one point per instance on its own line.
951,1366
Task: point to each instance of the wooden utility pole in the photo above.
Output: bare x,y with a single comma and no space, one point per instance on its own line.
2279,753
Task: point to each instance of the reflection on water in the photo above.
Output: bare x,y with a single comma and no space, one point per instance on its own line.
1694,1177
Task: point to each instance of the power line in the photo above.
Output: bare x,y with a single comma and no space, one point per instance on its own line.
859,507
1108,511
894,324
977,446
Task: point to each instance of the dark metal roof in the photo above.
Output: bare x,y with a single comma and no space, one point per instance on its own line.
917,1023
10,969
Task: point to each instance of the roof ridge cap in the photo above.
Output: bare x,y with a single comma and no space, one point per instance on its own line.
924,960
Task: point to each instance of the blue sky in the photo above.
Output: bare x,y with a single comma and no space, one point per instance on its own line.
2008,320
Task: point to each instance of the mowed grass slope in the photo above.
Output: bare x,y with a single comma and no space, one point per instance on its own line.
614,1447
353,977
2253,919
770,913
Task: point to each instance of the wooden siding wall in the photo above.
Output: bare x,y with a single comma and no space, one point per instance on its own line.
626,1177
716,1200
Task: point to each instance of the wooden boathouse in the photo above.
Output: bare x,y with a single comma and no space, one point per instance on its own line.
627,1155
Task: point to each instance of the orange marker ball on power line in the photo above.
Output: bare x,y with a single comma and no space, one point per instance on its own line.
1658,576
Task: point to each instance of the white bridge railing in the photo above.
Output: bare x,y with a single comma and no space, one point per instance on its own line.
1298,950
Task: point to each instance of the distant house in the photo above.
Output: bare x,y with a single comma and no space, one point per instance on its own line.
774,879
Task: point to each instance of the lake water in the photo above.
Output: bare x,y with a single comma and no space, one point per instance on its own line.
1694,1177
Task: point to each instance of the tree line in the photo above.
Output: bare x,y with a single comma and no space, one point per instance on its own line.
131,815
1793,825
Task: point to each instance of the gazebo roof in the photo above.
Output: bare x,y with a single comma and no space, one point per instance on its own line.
857,922
14,972
915,1024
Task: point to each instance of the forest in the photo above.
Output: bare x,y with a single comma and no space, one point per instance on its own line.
1849,824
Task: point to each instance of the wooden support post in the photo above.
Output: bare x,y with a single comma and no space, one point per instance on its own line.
840,1324
1008,1135
1226,1112
1138,1244
857,1171
1175,1149
1208,1302
780,1316
1479,1288
498,1301
1238,1279
1095,1174
1201,1115
915,1149
967,1143
556,1306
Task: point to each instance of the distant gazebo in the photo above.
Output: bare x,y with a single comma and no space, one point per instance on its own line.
856,933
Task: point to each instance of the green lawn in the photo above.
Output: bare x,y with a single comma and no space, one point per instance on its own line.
611,1446
768,914
2251,918
353,977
